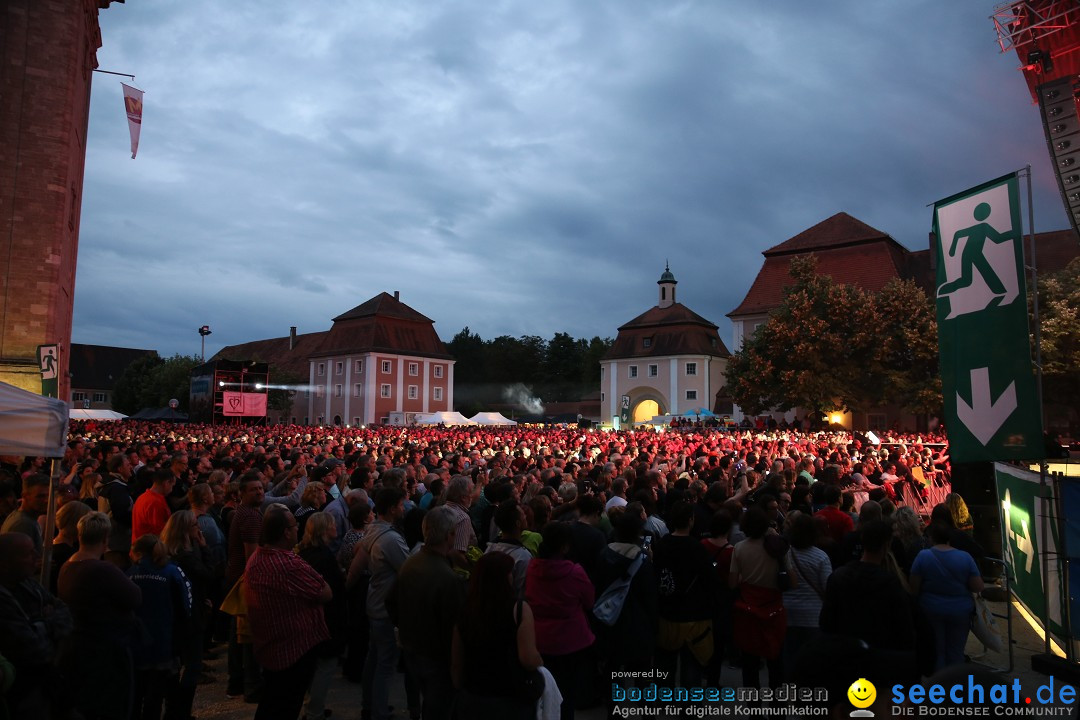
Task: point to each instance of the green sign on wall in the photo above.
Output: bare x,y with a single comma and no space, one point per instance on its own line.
1022,508
991,408
49,362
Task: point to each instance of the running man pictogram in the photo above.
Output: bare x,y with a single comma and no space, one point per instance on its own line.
973,255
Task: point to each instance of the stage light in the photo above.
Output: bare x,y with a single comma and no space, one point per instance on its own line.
221,383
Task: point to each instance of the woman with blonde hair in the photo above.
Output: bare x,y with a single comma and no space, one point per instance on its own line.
183,539
908,537
958,509
66,542
319,533
89,489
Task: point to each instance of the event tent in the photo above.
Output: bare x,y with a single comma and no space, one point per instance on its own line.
491,418
83,414
442,418
31,424
165,413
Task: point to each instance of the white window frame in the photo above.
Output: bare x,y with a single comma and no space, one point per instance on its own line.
691,369
384,390
436,393
631,372
100,397
339,367
414,392
318,391
78,396
438,371
691,394
357,389
359,367
320,369
646,342
337,390
654,370
385,367
414,369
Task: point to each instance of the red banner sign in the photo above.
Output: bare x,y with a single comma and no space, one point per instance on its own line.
243,404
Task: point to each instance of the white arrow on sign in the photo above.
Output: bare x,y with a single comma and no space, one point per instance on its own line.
984,417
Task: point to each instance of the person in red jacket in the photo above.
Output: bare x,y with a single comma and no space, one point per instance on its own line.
151,510
840,523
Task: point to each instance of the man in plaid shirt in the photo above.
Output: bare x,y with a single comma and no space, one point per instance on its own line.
284,597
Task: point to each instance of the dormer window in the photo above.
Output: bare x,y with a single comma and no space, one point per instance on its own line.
646,342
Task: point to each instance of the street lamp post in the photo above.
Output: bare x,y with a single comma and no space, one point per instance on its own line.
204,331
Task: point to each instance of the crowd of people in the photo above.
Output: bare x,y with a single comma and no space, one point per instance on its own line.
470,564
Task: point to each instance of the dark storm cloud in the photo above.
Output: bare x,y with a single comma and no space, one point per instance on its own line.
520,168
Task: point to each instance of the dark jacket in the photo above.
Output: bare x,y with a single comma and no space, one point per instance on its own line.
114,499
632,638
685,578
867,601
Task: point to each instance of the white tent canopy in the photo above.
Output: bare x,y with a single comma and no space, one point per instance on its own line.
31,424
491,418
442,418
81,414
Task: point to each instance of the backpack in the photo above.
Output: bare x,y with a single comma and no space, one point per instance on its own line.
609,605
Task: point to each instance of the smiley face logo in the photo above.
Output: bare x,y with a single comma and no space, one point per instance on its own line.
862,694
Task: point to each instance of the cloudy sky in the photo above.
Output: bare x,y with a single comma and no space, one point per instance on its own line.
516,167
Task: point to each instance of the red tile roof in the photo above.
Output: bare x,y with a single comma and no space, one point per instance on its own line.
386,305
869,266
382,324
853,253
839,230
276,352
379,333
674,330
1054,250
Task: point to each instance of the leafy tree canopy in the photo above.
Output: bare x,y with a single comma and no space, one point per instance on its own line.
1059,314
151,381
830,346
562,368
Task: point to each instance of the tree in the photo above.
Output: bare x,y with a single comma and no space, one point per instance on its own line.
1059,315
909,360
562,368
282,390
469,351
830,346
152,382
590,362
130,386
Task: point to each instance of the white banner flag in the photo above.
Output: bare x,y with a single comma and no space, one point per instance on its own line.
133,105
